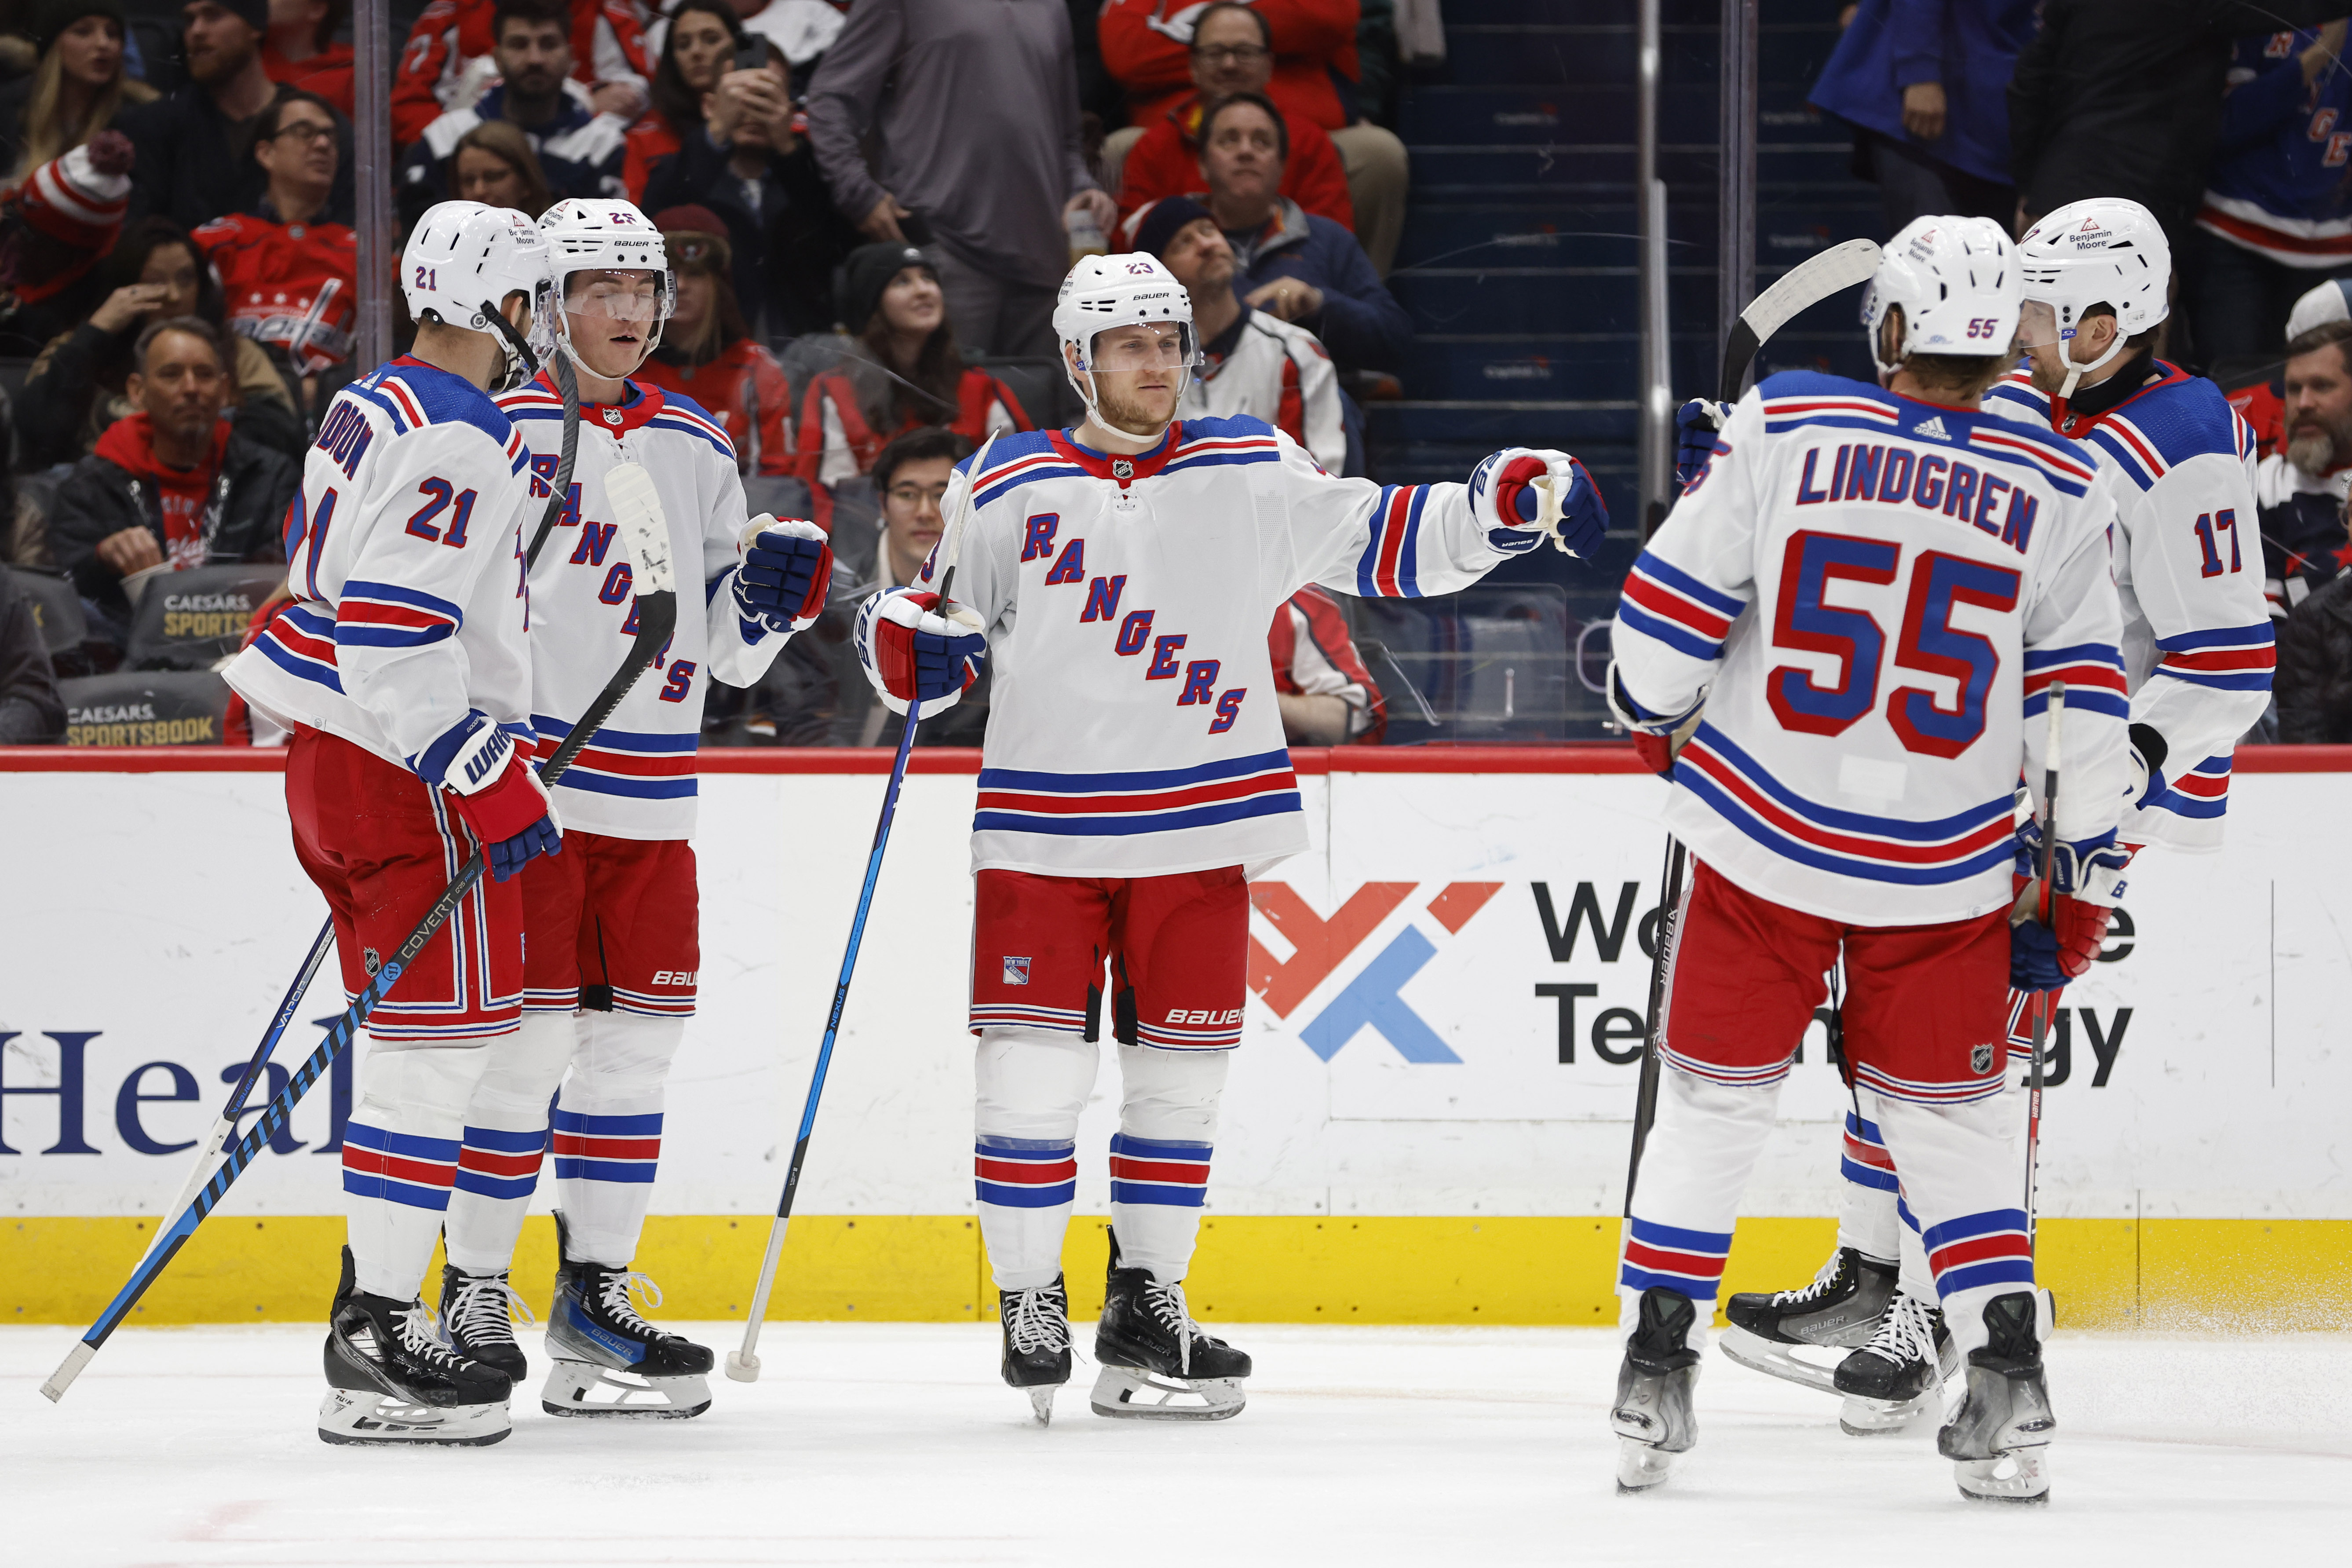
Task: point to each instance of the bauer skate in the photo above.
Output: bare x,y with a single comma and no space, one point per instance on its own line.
1653,1417
477,1313
609,1362
1893,1380
1037,1344
1999,1439
391,1382
1158,1364
1839,1310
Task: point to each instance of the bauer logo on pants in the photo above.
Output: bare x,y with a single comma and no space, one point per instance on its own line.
1016,971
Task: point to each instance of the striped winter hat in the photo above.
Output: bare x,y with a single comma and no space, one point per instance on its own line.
74,207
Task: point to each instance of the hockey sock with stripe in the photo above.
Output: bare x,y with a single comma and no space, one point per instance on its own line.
1031,1086
1694,1164
400,1158
506,1141
1160,1156
608,1129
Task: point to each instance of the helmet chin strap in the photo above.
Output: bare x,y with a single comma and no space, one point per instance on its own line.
1183,385
2075,373
522,364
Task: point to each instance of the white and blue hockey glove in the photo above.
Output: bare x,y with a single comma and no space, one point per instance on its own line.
787,573
2087,881
1521,496
911,653
1697,426
495,791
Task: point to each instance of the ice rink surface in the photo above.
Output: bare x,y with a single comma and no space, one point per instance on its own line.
896,1444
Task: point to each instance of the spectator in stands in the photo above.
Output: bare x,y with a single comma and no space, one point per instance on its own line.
814,694
579,146
2313,685
78,88
448,59
78,386
1253,363
2276,218
1147,44
978,140
906,372
1231,52
697,49
2260,399
30,713
59,223
195,147
802,29
1301,268
1925,89
709,355
173,484
2302,487
300,50
292,280
494,166
1327,697
745,161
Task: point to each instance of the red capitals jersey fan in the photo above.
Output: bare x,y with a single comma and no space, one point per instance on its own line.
291,284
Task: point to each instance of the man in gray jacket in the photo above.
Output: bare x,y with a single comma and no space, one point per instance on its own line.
975,112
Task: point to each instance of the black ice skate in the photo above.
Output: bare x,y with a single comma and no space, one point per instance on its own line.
1037,1343
1840,1309
1158,1364
1653,1417
609,1362
1999,1436
1895,1378
477,1319
391,1382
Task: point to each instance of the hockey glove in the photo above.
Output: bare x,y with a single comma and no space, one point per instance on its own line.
1521,496
1657,739
787,571
913,653
1697,425
495,791
2088,881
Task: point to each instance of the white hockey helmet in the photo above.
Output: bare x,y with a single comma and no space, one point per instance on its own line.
1106,291
2102,252
463,259
590,233
1956,280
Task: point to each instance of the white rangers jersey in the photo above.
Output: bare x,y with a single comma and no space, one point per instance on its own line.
404,557
1277,372
637,779
1872,596
2197,643
1132,727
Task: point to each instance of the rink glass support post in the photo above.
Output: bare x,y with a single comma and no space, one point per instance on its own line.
1736,183
371,173
1657,359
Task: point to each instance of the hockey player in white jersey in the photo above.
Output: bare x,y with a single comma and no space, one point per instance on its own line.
612,957
2176,464
1854,613
402,668
1120,576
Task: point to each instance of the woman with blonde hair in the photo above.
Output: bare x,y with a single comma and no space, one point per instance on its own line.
78,88
493,164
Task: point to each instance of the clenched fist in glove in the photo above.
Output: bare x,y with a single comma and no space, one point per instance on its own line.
914,654
1696,425
495,791
2087,881
787,571
1522,496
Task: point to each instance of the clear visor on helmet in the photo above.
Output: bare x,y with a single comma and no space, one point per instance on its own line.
631,298
2037,325
1144,345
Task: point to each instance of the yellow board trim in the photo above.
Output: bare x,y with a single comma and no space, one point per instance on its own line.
2174,1273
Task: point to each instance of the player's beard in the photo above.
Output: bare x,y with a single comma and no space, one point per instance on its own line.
1130,416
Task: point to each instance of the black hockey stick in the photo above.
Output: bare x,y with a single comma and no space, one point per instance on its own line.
2047,902
1798,290
743,1365
656,617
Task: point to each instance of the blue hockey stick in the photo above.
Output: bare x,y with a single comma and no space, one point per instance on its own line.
743,1365
657,607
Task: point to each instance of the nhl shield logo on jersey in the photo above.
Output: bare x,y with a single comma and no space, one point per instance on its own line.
1016,971
613,416
1980,1059
1120,469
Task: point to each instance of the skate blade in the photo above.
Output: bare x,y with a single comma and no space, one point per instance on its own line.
1640,1467
1861,1418
1756,1353
576,1388
2020,1476
1131,1393
1041,1403
366,1419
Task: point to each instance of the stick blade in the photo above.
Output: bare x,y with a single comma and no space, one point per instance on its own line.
1799,289
637,508
67,1370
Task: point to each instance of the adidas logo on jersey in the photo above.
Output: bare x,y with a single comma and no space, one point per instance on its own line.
1933,428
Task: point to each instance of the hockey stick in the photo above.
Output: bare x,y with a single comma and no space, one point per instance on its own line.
743,1365
2045,903
656,607
225,1127
1797,290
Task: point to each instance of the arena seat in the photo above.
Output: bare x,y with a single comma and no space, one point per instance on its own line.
193,619
145,707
